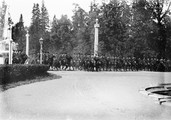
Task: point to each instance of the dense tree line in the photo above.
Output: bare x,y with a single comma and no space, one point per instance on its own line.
141,29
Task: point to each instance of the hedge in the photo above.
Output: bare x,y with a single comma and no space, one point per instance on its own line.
20,72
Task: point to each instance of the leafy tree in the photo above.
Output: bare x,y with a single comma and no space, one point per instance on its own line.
18,34
44,25
150,26
44,16
140,27
35,30
168,39
114,23
61,34
55,40
2,18
39,28
159,35
80,31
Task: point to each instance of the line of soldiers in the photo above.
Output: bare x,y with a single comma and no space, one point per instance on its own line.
19,57
103,63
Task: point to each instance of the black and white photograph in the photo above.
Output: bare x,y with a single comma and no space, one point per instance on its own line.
85,59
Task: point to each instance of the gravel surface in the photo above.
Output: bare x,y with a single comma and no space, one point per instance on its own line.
79,95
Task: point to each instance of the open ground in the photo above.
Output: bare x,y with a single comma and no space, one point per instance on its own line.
79,95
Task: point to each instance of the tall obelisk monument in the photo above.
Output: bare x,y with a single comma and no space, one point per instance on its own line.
96,38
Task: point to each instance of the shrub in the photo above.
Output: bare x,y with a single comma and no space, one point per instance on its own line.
20,72
2,72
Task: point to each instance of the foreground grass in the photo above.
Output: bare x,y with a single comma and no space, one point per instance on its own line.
40,78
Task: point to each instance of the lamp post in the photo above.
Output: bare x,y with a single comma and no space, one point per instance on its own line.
96,37
41,50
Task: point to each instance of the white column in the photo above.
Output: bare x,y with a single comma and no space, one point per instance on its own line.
96,38
27,44
10,44
41,54
41,50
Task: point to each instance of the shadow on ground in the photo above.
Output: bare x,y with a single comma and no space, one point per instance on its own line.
44,77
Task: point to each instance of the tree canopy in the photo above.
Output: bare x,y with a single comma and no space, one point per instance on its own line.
141,29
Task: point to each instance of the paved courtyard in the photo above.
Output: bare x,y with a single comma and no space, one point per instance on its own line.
86,96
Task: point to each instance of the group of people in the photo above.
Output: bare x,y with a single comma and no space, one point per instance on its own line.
18,57
95,63
103,63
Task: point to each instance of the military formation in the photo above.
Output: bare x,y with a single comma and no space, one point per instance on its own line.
105,63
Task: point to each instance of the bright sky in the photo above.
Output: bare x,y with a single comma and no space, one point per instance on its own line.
54,7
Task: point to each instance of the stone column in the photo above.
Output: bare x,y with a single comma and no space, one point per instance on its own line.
41,50
41,54
10,44
27,44
96,38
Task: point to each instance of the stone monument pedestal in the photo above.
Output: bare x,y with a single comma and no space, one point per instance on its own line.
2,60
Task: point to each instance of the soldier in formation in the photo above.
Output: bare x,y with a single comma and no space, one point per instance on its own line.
104,63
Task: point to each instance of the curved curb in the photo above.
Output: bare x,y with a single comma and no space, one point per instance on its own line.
161,93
